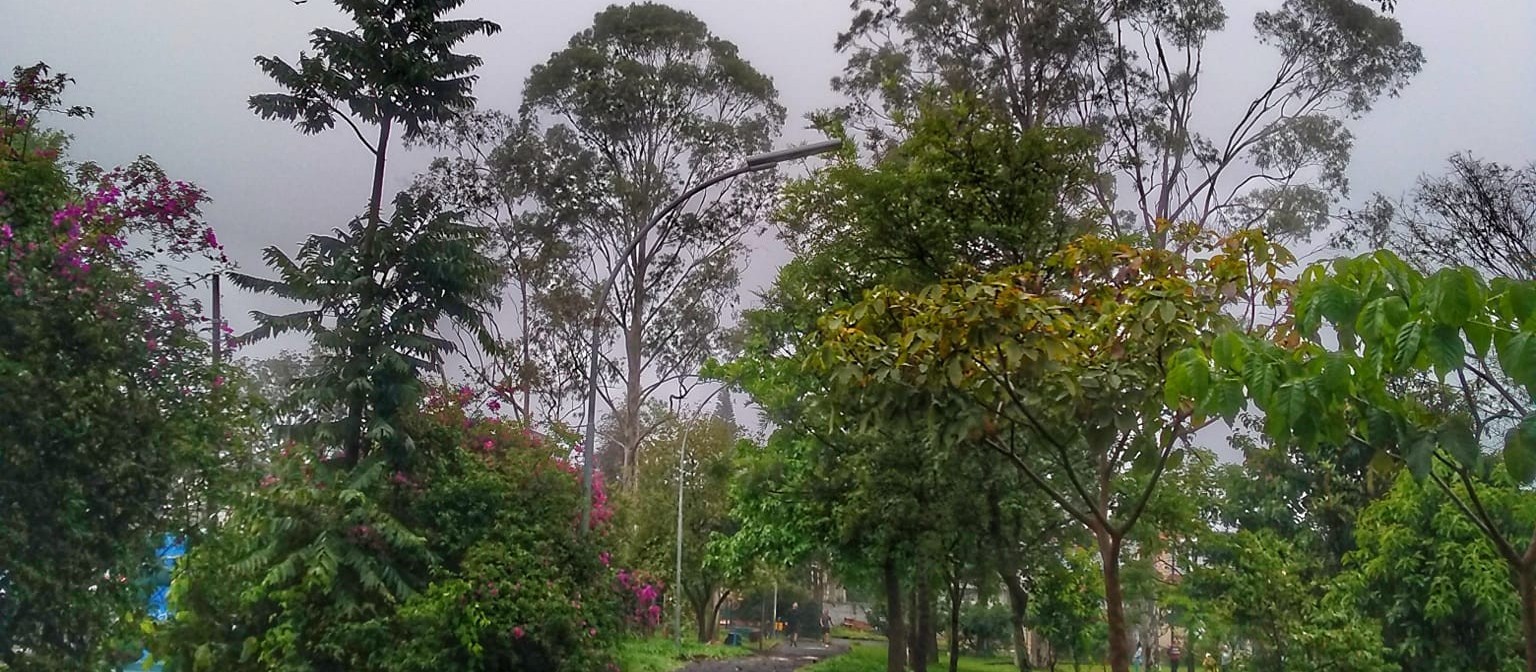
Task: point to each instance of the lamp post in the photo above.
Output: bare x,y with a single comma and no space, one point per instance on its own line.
752,164
677,584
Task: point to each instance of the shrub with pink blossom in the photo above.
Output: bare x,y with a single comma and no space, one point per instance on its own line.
115,424
470,556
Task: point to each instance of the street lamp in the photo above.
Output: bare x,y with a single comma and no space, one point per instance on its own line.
677,585
752,164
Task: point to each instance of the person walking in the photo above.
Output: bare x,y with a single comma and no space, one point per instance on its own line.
1136,660
1174,655
826,629
792,624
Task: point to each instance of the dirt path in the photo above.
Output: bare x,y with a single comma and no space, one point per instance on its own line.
778,659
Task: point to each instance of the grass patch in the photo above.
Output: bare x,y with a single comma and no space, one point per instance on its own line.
871,658
660,655
841,632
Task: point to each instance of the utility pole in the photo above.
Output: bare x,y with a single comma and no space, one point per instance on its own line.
775,608
218,324
682,454
677,605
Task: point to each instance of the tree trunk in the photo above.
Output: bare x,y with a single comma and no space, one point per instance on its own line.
634,339
917,636
701,617
1018,614
525,364
1114,602
931,622
1528,615
956,590
357,403
714,616
895,625
381,152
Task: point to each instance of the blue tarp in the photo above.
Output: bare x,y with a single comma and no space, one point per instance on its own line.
170,551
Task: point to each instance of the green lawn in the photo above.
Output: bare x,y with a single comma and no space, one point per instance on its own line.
660,655
871,658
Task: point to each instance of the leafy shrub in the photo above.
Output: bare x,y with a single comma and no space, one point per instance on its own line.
985,627
112,416
471,561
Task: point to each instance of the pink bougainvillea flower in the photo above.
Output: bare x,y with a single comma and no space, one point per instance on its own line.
517,632
605,558
495,406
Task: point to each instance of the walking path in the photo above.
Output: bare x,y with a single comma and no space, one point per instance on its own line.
781,658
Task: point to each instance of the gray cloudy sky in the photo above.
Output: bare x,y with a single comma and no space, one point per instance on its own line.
169,78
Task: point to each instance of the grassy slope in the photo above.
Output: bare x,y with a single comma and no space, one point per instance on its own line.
871,658
660,655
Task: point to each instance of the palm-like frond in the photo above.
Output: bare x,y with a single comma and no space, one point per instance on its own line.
375,309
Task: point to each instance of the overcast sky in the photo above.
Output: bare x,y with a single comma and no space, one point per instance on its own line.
169,78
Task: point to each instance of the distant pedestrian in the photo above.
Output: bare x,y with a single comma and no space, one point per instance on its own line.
826,628
1137,660
792,624
1174,655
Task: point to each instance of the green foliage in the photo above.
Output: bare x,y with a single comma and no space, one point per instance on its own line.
1077,370
639,108
1265,587
1068,605
1478,214
374,320
1441,590
984,627
383,285
867,658
118,430
965,191
474,561
1280,166
1310,496
396,65
651,511
661,655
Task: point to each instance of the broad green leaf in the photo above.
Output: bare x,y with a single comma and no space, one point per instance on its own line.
1262,378
1337,303
1189,377
1407,343
1458,439
1520,450
1382,466
1446,350
1175,459
1225,399
1380,428
1337,379
1517,300
1517,356
1480,336
1420,455
1380,319
1290,412
1454,295
956,372
1228,350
